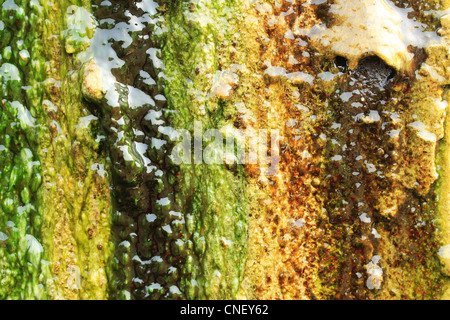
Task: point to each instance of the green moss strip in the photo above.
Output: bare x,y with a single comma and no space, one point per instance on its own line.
55,209
212,197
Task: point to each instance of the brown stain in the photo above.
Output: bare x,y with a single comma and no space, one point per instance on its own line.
329,255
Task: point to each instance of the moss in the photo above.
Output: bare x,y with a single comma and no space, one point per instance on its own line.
211,197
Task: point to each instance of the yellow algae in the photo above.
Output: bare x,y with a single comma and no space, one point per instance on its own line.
436,71
363,165
223,84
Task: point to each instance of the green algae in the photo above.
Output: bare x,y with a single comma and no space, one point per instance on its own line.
183,233
21,251
211,197
42,108
443,231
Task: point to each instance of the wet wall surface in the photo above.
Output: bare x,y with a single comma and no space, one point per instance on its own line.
357,91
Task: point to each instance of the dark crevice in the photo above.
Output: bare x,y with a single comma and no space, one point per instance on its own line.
341,63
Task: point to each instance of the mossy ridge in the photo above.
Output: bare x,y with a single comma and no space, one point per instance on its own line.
211,198
442,189
76,197
21,249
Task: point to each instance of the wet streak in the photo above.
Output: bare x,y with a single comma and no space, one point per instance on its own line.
143,250
356,150
167,216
